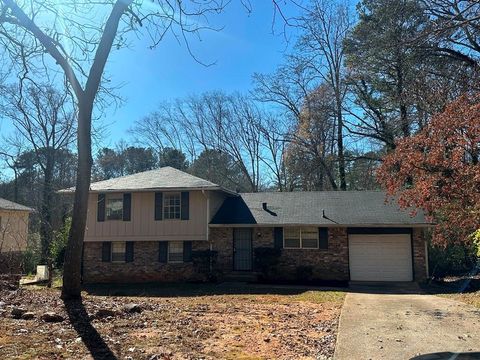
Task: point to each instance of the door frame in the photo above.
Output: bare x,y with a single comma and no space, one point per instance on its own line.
251,249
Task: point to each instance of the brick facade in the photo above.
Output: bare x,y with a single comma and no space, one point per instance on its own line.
419,255
331,264
144,268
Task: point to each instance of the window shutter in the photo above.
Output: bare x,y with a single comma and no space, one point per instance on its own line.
129,251
127,206
323,238
187,251
106,251
278,237
101,207
158,206
163,251
185,205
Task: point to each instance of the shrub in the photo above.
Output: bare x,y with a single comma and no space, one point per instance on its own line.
454,259
304,273
266,261
205,262
59,244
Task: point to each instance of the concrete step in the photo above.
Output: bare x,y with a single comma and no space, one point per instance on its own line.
241,276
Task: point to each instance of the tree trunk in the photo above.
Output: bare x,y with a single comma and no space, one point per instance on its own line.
73,255
46,223
341,155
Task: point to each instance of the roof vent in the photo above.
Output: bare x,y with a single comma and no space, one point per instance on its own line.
264,206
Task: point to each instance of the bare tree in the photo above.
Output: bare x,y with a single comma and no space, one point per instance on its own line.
44,118
457,24
78,44
325,27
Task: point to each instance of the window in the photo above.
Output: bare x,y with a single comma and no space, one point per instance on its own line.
118,251
300,238
171,206
114,207
175,251
292,238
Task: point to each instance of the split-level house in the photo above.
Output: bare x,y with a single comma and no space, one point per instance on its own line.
146,227
13,234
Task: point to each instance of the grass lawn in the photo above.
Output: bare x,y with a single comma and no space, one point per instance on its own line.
177,322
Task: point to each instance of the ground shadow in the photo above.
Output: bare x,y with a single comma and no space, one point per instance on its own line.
204,289
91,338
448,356
465,285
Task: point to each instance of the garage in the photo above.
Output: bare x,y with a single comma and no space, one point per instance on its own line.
380,257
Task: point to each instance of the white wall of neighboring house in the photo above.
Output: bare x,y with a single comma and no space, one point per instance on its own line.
13,230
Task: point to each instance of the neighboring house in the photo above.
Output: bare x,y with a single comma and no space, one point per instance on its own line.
145,227
13,234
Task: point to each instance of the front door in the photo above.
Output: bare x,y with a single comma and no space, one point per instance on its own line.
242,249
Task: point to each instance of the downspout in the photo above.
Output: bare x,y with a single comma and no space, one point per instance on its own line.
426,259
207,196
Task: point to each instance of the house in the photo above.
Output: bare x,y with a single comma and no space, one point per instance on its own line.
148,227
13,234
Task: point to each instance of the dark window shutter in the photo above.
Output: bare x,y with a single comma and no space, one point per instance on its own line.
158,206
127,206
163,251
106,251
101,207
278,237
185,205
323,238
187,251
129,251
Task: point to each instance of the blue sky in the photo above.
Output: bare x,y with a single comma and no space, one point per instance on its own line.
148,77
245,45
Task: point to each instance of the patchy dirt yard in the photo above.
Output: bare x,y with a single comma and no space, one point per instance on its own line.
196,322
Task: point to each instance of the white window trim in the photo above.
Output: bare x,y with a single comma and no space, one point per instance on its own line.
165,194
301,240
124,252
116,197
168,252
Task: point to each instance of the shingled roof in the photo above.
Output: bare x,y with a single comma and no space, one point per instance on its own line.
320,208
12,206
167,178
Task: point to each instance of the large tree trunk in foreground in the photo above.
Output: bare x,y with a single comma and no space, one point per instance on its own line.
72,286
73,254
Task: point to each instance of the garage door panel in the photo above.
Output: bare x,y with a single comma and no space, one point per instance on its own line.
380,257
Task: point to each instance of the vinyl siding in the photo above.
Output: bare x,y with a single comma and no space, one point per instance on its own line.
13,230
143,226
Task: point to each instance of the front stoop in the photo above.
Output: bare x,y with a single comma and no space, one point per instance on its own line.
241,276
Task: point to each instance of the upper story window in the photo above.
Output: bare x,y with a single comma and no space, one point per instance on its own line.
114,207
171,206
300,238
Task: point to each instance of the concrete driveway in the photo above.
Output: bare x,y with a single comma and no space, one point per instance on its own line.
404,324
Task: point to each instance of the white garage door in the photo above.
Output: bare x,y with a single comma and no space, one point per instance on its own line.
380,257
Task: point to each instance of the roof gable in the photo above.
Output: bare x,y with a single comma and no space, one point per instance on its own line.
163,178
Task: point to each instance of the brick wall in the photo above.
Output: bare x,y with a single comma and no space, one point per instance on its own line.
144,268
331,264
419,256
